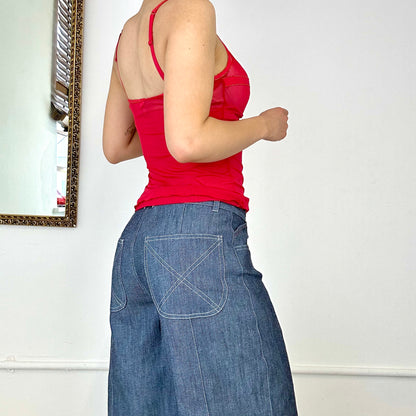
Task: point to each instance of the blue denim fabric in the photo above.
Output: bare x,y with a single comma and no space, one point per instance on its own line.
193,330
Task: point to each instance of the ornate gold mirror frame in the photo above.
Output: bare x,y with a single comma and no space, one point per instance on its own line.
74,104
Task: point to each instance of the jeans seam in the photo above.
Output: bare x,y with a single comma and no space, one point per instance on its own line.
132,257
199,366
258,331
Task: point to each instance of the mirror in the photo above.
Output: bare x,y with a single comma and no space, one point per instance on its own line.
40,112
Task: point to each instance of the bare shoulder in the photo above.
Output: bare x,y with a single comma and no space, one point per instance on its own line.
184,10
194,5
131,21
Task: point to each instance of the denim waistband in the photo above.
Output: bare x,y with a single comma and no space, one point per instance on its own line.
216,206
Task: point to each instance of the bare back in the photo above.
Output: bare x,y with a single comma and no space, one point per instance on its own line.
136,67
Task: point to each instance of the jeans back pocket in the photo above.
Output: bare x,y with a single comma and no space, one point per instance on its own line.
186,274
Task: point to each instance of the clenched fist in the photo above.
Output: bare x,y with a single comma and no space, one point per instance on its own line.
276,122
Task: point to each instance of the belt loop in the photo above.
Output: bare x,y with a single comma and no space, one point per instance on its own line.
216,206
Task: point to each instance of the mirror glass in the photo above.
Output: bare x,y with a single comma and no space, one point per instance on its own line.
39,111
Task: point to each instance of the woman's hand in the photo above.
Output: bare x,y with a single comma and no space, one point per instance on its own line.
276,122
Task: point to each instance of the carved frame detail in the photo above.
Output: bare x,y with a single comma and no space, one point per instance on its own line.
71,203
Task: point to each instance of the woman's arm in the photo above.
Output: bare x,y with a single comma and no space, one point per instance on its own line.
120,138
191,135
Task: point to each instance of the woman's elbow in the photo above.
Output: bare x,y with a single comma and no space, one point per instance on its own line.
180,156
113,161
111,155
182,149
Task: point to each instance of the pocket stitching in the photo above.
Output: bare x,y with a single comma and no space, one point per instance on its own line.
120,304
219,243
191,268
184,280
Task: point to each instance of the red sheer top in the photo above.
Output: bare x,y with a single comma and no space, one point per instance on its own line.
172,182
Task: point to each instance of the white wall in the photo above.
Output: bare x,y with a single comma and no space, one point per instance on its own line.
332,224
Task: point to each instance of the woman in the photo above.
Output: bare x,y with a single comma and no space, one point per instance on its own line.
193,330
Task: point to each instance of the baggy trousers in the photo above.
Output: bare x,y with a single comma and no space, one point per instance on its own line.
193,329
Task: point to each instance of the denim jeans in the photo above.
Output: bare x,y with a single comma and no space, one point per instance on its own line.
193,330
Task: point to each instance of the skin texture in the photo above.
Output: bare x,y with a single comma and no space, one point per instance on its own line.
190,54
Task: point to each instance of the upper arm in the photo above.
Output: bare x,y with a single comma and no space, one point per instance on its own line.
118,120
189,74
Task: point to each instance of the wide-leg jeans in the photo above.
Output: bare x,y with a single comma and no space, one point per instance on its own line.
193,329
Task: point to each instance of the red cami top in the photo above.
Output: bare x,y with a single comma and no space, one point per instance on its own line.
172,182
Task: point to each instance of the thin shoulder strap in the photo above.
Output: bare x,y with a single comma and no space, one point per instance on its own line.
152,18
